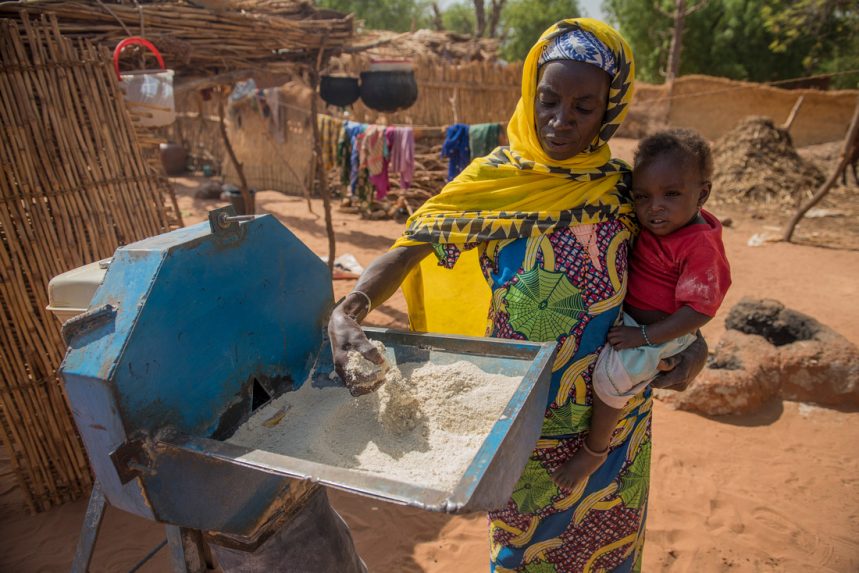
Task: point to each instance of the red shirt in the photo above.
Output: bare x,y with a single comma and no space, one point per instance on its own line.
687,267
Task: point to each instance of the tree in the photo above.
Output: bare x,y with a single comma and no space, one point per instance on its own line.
396,15
681,11
522,22
739,39
826,30
459,18
479,18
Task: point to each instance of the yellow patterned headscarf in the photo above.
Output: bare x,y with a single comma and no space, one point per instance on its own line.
517,191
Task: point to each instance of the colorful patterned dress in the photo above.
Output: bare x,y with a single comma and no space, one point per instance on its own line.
568,286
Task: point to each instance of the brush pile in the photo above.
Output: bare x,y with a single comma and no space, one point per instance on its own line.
756,163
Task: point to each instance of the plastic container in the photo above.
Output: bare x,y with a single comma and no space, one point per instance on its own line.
149,93
70,293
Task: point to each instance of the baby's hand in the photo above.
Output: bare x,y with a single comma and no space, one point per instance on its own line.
621,337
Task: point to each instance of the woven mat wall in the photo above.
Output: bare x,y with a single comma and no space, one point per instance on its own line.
73,187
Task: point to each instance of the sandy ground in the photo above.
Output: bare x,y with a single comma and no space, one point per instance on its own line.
774,491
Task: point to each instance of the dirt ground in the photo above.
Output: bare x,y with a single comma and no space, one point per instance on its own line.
774,491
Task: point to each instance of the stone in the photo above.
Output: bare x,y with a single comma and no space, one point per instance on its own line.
768,351
741,376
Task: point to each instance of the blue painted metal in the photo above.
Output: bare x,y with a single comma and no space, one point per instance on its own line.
200,322
200,316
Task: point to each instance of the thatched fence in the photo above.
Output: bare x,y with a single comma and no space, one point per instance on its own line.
73,188
276,150
474,92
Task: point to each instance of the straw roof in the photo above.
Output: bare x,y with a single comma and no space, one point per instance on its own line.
204,38
446,47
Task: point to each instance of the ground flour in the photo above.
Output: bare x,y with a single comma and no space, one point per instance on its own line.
423,426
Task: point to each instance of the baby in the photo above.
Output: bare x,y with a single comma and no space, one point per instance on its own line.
678,276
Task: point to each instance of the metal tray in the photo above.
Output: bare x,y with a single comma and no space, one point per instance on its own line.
489,479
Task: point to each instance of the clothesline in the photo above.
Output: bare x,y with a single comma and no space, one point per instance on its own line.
419,130
366,153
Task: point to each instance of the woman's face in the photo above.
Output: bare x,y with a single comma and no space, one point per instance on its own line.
569,106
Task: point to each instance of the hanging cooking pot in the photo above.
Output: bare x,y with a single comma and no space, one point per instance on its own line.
339,90
389,85
147,92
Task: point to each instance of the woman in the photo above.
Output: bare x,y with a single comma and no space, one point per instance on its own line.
535,236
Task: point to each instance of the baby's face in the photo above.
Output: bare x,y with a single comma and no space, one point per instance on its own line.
668,191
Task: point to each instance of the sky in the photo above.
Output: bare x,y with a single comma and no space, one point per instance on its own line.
592,8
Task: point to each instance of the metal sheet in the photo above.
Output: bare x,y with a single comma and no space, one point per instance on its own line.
489,479
201,320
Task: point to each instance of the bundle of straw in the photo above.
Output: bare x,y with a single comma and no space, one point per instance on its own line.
197,41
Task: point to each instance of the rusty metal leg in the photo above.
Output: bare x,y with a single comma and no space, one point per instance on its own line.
89,531
187,552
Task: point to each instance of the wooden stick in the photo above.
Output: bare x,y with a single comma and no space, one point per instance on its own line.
321,175
793,112
827,185
247,197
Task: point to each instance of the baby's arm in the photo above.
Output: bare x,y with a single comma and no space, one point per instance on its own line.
684,320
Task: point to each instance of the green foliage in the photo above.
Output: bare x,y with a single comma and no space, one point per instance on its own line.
825,31
757,40
459,18
844,58
396,15
647,32
522,22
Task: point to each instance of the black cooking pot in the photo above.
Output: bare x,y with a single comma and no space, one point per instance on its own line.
339,90
174,158
388,90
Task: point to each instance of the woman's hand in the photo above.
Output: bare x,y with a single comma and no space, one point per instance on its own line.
346,334
378,282
679,370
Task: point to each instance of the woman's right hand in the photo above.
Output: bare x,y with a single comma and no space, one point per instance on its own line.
346,334
378,282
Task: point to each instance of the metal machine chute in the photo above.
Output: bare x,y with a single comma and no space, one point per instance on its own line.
192,330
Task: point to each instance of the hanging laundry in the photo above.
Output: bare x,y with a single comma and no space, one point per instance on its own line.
372,154
344,153
401,141
373,157
483,138
349,153
275,121
330,129
456,148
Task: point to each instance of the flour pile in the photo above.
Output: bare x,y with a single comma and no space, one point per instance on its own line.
423,426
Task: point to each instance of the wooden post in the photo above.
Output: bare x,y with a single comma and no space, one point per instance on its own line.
319,171
248,199
793,113
827,185
676,43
